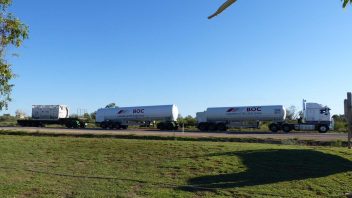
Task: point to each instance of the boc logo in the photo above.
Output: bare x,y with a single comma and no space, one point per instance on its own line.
138,111
254,109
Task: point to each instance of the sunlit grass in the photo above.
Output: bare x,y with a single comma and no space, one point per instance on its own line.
92,167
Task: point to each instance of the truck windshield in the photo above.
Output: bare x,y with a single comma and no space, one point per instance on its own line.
324,111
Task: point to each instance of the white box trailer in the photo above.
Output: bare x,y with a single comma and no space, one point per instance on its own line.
316,117
51,114
122,117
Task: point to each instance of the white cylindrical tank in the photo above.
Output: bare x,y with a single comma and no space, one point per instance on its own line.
49,112
248,113
142,113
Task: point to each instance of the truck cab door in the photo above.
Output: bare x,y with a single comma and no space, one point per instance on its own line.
324,114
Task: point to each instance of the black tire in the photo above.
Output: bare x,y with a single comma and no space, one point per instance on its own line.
212,127
124,127
103,125
274,128
203,126
161,126
109,125
171,125
68,125
286,128
82,125
221,127
323,129
115,125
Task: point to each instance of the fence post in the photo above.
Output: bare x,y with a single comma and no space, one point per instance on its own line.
348,116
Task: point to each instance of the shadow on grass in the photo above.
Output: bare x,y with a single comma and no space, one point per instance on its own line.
272,166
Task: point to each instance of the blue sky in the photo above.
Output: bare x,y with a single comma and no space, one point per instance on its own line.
87,54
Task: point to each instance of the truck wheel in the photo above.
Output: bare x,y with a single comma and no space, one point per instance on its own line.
161,126
203,126
286,128
274,128
124,127
212,127
115,126
68,125
323,129
172,126
82,125
109,125
103,125
221,127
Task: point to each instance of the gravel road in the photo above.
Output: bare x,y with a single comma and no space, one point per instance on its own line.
260,135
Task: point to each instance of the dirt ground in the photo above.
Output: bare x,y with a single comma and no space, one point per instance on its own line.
261,135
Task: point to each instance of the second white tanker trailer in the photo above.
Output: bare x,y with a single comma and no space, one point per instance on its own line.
316,117
121,117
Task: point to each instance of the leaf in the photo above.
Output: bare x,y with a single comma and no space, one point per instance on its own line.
345,2
223,7
228,3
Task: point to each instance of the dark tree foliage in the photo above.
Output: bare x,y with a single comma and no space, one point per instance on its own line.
111,105
345,2
188,121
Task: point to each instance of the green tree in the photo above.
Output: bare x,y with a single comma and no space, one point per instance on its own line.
93,115
12,34
228,3
340,123
87,117
188,121
300,114
111,105
291,113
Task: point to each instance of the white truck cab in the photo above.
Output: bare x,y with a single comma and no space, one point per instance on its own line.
314,112
316,117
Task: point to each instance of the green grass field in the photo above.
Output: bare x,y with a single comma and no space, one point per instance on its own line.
90,167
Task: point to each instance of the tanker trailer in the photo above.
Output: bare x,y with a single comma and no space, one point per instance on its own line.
51,114
316,117
222,118
122,117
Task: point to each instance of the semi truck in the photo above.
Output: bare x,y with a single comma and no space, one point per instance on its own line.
163,116
316,117
51,114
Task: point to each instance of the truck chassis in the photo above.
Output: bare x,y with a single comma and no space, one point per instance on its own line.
112,124
322,127
67,122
